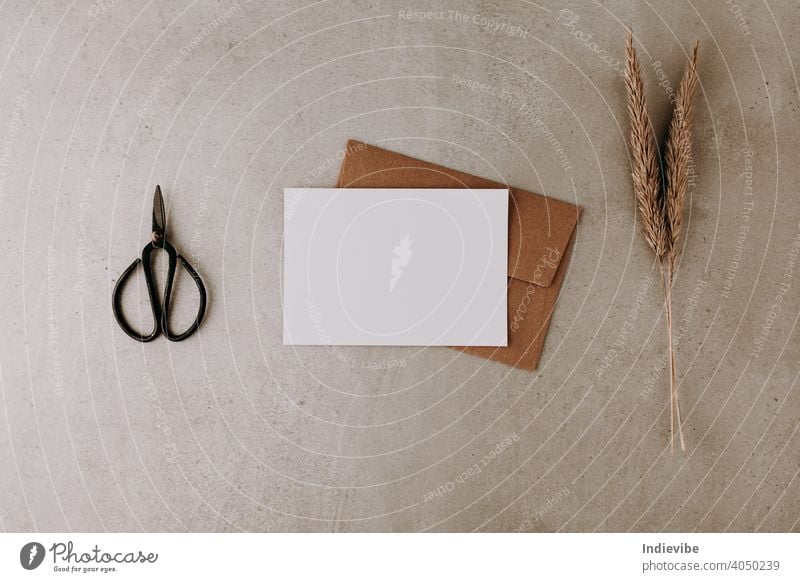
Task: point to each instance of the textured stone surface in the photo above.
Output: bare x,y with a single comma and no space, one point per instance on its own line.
224,104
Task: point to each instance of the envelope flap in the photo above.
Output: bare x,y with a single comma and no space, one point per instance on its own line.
539,227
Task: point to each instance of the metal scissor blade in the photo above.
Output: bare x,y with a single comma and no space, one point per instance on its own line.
159,216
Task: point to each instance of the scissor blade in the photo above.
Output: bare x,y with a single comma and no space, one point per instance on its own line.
159,217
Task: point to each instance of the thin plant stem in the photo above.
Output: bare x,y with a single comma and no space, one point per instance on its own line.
673,379
668,310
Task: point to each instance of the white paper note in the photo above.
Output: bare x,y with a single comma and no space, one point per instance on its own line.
391,266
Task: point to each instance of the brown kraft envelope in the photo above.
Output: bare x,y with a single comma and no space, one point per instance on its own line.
540,232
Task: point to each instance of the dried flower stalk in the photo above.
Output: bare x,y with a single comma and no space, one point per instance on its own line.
645,170
661,200
679,155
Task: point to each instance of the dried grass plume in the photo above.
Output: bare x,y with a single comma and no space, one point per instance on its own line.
679,155
661,200
646,169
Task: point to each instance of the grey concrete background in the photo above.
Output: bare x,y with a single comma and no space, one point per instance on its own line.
224,104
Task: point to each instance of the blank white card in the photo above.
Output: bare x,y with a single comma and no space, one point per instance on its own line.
392,266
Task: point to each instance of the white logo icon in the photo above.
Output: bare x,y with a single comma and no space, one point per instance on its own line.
402,255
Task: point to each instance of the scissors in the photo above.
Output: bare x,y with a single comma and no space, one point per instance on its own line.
160,310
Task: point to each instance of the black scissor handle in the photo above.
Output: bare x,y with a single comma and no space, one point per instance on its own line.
160,310
151,291
168,296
